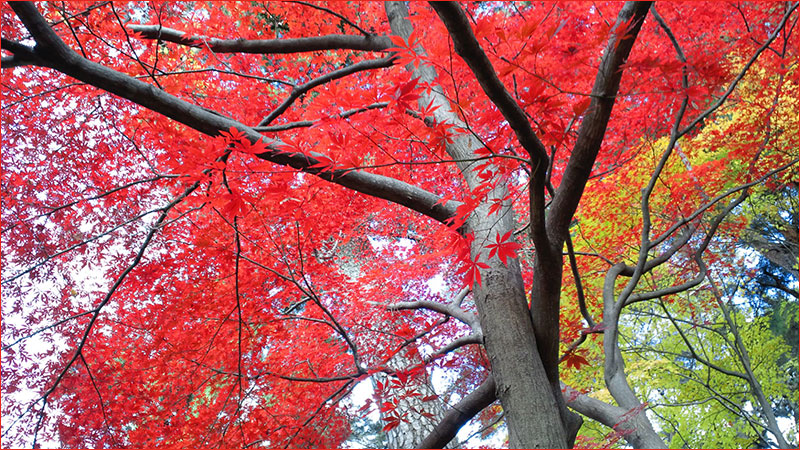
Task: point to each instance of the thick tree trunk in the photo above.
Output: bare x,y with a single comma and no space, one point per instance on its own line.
532,411
522,385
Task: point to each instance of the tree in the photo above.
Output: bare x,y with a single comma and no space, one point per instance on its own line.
187,187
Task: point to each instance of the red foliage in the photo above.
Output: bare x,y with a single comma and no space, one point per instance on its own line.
190,292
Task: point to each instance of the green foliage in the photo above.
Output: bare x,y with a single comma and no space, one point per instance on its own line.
695,402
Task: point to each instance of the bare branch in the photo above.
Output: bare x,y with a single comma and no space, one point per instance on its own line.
475,338
610,415
459,298
449,309
628,423
298,91
266,46
309,123
460,414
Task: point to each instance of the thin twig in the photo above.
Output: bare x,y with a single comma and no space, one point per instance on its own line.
329,11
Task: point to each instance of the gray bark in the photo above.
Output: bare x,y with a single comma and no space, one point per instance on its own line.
532,411
548,235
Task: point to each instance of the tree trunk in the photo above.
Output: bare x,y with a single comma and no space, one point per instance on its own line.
532,411
522,385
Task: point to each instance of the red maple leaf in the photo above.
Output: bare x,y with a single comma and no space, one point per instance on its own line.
503,247
574,360
253,148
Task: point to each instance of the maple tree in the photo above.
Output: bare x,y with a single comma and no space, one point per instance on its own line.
219,218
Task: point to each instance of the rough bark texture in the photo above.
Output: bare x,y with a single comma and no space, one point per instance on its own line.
548,235
531,408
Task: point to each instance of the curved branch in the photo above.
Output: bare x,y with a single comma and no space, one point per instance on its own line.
309,123
474,338
468,48
627,422
51,48
448,310
298,91
266,46
609,415
459,414
334,13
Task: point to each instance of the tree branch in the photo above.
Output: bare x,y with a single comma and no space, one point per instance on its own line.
298,91
447,309
752,380
334,13
266,46
22,55
593,128
468,48
98,309
578,284
714,106
55,52
694,353
460,414
309,123
609,415
474,338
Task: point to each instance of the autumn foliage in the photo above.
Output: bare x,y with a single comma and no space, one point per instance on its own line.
219,218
